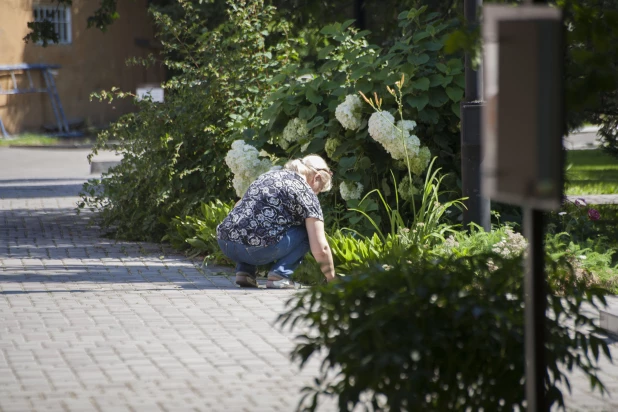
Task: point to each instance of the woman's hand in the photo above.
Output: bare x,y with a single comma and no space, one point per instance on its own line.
320,248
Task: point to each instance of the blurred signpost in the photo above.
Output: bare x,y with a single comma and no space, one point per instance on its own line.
523,125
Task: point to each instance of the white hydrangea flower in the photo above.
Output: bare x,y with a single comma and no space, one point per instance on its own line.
419,163
406,125
351,190
406,189
295,130
380,126
349,112
395,138
245,164
332,143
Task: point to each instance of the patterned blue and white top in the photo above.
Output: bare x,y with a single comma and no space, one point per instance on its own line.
276,201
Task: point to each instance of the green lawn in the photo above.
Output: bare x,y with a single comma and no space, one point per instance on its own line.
591,172
29,140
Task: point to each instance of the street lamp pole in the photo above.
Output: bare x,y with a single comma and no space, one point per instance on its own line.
478,209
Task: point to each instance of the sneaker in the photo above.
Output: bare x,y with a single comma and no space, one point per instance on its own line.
246,280
279,282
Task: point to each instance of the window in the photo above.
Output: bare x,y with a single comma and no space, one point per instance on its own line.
59,16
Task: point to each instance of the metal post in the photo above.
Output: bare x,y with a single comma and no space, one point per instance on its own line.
478,209
535,308
535,288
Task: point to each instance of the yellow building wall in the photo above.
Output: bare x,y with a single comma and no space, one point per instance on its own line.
93,61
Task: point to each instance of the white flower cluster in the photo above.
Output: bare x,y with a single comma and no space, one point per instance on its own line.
396,138
514,244
350,190
349,112
246,165
407,189
295,130
450,243
332,143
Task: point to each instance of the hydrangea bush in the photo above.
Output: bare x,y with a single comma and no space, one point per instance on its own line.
318,109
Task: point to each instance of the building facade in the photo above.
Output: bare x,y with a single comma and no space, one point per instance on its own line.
90,60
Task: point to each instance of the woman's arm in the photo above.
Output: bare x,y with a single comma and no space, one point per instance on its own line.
319,247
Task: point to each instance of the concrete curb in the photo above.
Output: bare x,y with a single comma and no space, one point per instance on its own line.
596,199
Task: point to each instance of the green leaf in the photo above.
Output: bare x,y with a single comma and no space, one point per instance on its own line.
325,51
359,72
307,112
456,109
442,67
328,66
456,65
418,58
429,116
454,93
436,80
278,78
437,97
433,45
347,163
313,96
420,36
330,30
421,84
418,102
460,80
361,34
197,244
347,24
318,120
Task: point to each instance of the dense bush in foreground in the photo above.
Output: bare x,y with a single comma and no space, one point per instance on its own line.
440,335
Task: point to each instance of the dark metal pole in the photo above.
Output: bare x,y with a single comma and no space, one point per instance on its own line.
471,155
535,300
535,307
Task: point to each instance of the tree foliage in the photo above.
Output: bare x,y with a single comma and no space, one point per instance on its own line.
173,151
592,67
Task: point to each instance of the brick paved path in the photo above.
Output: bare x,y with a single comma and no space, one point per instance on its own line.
87,324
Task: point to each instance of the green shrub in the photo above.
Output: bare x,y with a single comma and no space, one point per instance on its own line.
173,152
590,266
439,334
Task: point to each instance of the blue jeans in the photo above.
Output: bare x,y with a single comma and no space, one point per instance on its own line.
285,255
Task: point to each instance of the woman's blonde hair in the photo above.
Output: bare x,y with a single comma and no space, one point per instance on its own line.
311,165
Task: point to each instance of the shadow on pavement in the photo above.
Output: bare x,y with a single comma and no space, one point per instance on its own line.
23,191
57,246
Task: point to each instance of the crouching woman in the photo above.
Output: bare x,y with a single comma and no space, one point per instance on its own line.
277,221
